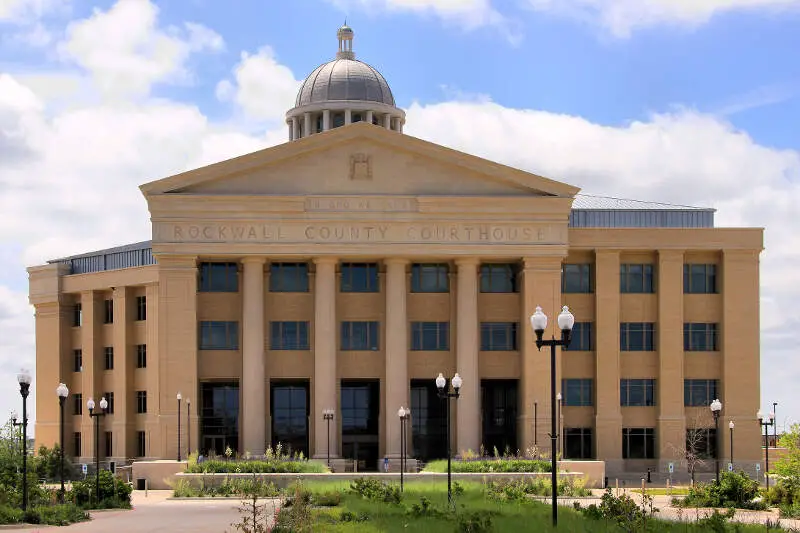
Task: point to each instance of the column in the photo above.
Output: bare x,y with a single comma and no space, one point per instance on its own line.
387,121
153,377
326,120
325,355
91,374
307,131
348,117
468,428
369,116
123,367
671,432
396,380
291,130
253,417
295,128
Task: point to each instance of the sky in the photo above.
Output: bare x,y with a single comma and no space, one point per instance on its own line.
695,102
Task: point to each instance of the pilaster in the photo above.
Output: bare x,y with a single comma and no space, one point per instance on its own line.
253,413
148,422
468,413
119,422
396,378
325,342
91,373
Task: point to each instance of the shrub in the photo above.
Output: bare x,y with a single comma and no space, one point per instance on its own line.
61,515
327,499
474,522
374,489
114,492
622,510
425,508
490,465
269,466
10,515
517,489
297,517
735,489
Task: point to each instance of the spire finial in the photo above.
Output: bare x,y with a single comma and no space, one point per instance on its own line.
345,35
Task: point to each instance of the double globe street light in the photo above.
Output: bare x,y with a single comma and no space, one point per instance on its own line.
62,392
445,395
716,407
766,422
404,414
103,407
24,380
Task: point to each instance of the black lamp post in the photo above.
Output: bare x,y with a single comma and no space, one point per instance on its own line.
766,422
730,426
188,427
560,400
445,395
62,391
179,426
96,416
24,380
404,414
716,407
775,429
536,425
565,323
15,424
327,415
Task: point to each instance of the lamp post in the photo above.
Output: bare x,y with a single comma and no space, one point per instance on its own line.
24,380
188,427
179,426
327,415
62,392
445,396
766,422
536,425
15,424
539,323
559,399
404,414
730,426
775,429
716,407
96,416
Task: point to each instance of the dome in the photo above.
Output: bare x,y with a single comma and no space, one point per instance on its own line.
344,79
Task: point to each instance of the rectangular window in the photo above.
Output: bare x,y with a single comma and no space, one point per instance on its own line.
359,277
141,356
638,443
578,443
77,360
637,392
581,339
109,442
700,279
700,392
499,336
636,278
499,277
360,336
430,336
140,444
702,442
217,335
109,396
700,337
218,277
289,336
288,277
76,444
108,357
77,315
141,308
108,315
77,404
577,392
428,277
576,278
141,402
637,337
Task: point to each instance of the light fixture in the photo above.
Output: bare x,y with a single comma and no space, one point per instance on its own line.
62,391
716,406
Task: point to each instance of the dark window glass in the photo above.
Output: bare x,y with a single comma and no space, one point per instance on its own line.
141,308
498,336
359,277
577,392
77,358
109,396
141,449
429,278
77,315
290,410
637,392
108,353
638,443
77,404
430,336
337,120
637,337
288,277
289,336
360,336
141,402
219,418
428,421
76,444
578,443
108,316
499,277
219,336
360,405
109,442
700,392
141,356
218,277
702,442
700,337
581,338
576,278
700,278
636,278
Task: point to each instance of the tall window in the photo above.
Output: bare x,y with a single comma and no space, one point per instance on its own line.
700,392
218,277
426,277
289,407
109,396
638,443
108,353
76,444
141,356
77,404
637,392
576,278
109,442
430,336
141,402
77,360
702,442
636,278
288,277
219,417
141,308
578,443
215,335
581,340
498,336
359,277
637,337
77,315
108,315
360,336
700,278
499,277
141,449
700,337
577,392
289,336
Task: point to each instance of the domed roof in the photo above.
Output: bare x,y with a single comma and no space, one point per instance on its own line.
344,79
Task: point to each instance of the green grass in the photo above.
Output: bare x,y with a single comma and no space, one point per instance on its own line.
490,465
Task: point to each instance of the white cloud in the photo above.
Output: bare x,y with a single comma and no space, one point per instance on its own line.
25,11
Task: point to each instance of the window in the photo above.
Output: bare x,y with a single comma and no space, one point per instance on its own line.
141,402
77,360
499,278
356,117
77,315
581,339
290,411
637,337
700,279
636,278
289,336
337,120
76,444
430,336
498,336
637,392
359,277
576,278
108,353
699,392
702,442
288,277
218,277
578,443
109,396
77,404
108,317
700,337
141,356
577,392
360,336
429,278
638,443
141,308
140,444
319,124
109,442
219,336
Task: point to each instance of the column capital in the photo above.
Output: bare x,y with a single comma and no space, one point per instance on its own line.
326,260
467,262
176,262
674,255
541,263
253,259
396,261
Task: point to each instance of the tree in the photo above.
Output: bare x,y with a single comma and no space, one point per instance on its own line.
788,466
695,451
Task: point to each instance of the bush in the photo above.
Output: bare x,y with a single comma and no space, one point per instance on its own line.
327,499
61,515
735,489
374,489
10,515
114,492
621,510
490,465
517,489
474,522
269,466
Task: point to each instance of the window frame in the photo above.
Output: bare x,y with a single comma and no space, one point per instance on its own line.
581,433
417,337
708,331
371,275
230,333
77,357
108,311
648,435
585,271
441,273
77,315
371,335
583,333
282,272
77,404
585,392
488,330
141,356
302,335
209,272
648,392
648,332
710,284
141,402
141,308
628,283
691,389
108,358
499,278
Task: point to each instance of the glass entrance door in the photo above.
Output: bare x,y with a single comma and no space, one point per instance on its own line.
360,422
428,421
219,417
289,414
499,410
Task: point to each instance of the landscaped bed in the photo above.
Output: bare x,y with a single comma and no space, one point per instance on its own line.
275,461
485,466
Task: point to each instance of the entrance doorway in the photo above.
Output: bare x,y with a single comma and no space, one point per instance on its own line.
289,413
219,418
360,422
428,421
499,410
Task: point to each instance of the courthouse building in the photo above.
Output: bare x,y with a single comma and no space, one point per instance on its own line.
346,268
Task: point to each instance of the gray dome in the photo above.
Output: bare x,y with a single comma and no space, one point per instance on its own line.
344,79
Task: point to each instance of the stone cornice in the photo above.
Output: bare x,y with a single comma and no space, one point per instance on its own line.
649,239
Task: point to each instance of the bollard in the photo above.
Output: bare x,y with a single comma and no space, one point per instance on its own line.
669,487
648,476
146,486
617,487
605,482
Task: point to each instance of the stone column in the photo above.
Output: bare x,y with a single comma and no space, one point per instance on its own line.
295,128
396,381
124,366
307,124
92,305
469,404
369,117
348,117
253,417
325,355
326,120
291,130
387,121
153,376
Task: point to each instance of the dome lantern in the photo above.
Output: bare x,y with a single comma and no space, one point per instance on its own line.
345,35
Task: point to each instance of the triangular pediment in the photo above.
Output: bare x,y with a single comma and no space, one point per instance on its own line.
359,159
